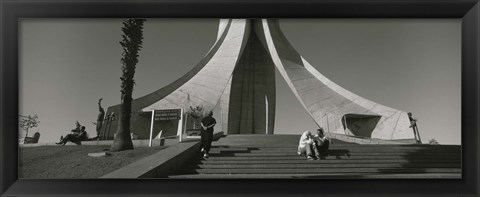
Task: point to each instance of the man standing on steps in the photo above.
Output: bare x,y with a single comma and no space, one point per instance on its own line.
207,134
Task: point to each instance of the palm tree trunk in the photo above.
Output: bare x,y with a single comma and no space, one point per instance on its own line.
26,135
131,43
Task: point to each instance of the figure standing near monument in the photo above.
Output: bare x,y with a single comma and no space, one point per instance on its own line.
100,117
413,125
76,136
321,142
207,134
307,146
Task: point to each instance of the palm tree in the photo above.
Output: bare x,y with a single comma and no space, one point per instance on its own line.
131,42
28,122
196,113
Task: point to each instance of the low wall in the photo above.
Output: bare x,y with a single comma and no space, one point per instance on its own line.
161,164
136,143
360,140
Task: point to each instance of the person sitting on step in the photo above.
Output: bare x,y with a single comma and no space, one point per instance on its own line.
307,146
321,142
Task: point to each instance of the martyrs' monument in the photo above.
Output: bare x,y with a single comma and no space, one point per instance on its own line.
238,73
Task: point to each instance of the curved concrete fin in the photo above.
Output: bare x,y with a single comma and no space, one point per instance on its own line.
224,106
207,85
202,85
326,102
248,105
239,72
149,99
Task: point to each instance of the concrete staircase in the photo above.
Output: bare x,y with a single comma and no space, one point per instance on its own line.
274,156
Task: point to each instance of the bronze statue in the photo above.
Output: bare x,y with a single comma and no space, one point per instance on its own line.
413,125
100,117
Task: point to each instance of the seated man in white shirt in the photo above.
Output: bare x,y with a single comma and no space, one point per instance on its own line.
307,146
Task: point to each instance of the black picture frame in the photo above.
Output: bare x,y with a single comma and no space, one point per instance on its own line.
12,10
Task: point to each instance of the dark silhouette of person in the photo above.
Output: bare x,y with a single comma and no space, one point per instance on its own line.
100,117
321,142
207,134
413,125
32,140
76,136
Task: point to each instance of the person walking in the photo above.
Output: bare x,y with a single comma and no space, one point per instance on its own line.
207,134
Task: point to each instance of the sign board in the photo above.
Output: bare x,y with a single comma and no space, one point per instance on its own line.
168,114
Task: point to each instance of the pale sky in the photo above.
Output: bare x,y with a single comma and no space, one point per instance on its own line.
414,65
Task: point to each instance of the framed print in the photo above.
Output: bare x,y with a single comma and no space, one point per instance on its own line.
344,98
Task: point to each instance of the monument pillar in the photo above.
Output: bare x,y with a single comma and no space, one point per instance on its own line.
238,73
250,101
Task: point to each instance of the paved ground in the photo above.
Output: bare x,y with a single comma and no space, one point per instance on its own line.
74,162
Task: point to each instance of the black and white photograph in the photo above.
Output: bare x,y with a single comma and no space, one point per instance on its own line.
239,98
190,98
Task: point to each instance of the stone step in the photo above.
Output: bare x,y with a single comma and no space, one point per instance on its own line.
378,146
324,170
326,165
217,151
352,148
267,143
275,156
347,154
363,157
214,145
334,161
356,147
322,176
